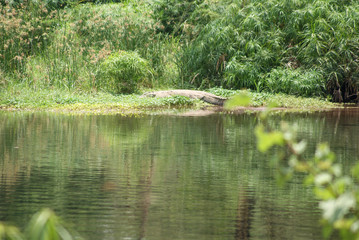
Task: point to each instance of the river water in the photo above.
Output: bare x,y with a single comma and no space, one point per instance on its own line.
162,177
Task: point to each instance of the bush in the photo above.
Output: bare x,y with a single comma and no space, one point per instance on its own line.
121,72
240,48
173,13
295,82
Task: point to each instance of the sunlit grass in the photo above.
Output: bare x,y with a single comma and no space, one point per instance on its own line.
264,99
62,100
24,98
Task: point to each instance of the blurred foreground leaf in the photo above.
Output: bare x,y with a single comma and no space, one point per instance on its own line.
240,100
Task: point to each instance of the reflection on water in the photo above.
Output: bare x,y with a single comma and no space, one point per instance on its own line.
246,203
161,177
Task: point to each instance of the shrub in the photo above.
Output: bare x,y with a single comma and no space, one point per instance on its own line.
173,13
240,48
121,72
295,81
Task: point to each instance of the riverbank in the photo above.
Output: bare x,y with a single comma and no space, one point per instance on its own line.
75,102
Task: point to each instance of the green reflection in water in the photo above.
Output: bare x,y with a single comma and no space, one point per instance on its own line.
160,177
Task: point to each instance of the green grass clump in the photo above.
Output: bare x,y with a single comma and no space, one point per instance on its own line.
24,30
121,72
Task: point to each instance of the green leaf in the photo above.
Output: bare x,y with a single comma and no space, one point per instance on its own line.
335,209
241,99
266,140
342,184
10,232
323,179
327,230
299,148
355,171
323,193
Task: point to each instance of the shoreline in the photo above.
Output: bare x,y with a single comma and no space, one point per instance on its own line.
102,103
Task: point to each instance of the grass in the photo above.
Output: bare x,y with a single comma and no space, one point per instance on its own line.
65,48
280,100
21,97
53,58
62,100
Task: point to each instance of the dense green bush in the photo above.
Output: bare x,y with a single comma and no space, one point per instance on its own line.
240,48
308,83
121,72
173,13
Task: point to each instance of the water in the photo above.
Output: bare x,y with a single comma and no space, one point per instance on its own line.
161,177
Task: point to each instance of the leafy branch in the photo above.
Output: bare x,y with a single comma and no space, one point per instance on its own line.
338,194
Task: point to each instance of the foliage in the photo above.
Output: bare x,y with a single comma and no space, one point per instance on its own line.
69,44
308,83
337,193
174,13
44,225
24,30
277,100
121,72
251,38
242,99
306,48
9,233
179,101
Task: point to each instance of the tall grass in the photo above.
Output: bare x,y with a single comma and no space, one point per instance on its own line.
65,48
24,31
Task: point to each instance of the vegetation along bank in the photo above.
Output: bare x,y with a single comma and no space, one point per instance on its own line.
77,54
